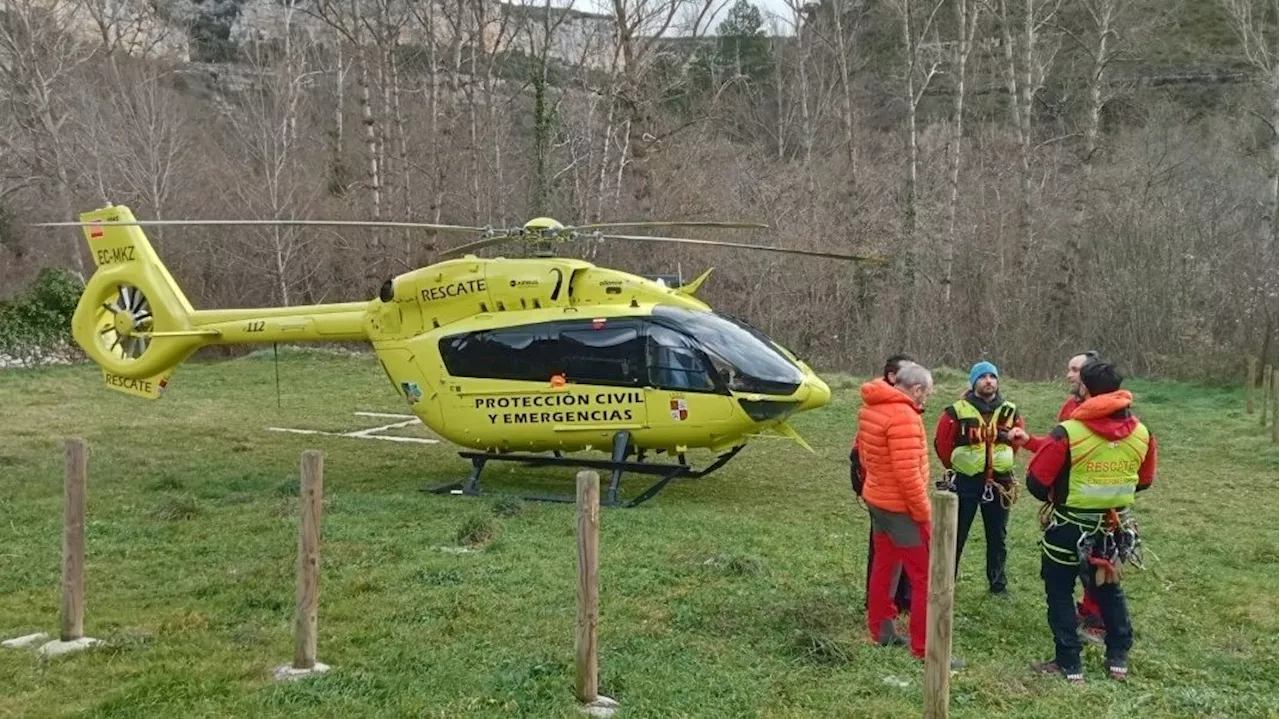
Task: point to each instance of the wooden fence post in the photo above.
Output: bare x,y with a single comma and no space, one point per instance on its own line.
1274,400
586,675
73,540
942,585
1266,404
310,499
1248,385
71,634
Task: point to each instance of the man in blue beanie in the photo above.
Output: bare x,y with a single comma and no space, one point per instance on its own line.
972,440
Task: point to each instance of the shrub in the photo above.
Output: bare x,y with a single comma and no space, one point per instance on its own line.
35,328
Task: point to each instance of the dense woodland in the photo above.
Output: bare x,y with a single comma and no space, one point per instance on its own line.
1041,175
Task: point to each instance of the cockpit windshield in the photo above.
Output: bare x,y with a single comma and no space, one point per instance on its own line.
746,361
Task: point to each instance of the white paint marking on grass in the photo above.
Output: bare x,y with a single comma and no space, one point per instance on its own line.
371,432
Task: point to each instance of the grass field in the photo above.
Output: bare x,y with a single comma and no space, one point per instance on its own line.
736,595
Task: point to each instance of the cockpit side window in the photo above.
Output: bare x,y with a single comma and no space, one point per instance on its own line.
675,363
748,361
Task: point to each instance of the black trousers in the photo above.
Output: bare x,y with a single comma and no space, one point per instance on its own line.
901,593
1059,587
995,523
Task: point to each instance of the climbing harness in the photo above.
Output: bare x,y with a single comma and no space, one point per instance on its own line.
989,435
947,483
1105,548
1045,515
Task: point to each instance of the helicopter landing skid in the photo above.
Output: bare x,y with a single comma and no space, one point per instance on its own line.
668,472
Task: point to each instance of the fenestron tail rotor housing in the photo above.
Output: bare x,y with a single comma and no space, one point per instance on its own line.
125,324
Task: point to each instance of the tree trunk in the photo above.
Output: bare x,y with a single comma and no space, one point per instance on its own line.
843,51
1025,225
51,128
910,45
371,143
966,22
1065,288
402,156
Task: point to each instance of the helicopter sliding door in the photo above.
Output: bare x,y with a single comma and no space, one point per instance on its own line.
565,384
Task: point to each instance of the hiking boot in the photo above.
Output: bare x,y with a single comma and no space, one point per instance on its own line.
888,635
1075,677
1118,669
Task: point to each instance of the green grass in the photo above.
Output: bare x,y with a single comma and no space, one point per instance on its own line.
737,595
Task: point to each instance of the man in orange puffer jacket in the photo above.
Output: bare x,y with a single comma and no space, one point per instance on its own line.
894,452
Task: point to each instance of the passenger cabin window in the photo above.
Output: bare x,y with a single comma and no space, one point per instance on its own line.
674,363
523,353
611,354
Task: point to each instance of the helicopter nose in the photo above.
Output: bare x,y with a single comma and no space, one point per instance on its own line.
818,396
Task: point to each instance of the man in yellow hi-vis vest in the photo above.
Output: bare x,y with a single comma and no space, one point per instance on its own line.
972,440
1089,471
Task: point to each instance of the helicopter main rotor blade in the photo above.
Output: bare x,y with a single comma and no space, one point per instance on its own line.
684,240
323,223
461,250
738,225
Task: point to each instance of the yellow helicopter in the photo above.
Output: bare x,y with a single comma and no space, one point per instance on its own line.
516,359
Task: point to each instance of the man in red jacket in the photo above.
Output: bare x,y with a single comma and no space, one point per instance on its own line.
973,440
1089,469
1088,614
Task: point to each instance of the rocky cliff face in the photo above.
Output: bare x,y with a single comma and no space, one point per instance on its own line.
141,29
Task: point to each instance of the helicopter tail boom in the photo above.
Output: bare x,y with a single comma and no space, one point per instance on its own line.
134,321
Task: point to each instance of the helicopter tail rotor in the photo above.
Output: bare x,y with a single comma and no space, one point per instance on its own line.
132,319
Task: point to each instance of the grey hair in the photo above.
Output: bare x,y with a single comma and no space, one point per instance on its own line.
911,374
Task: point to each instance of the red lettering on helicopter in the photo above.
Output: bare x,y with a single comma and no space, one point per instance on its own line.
115,254
453,289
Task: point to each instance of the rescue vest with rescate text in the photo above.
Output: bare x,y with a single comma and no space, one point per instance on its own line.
1104,473
970,454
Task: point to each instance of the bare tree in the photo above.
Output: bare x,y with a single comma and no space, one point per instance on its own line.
1256,34
142,29
966,26
641,27
138,138
1102,42
1025,72
916,21
265,123
346,17
37,58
